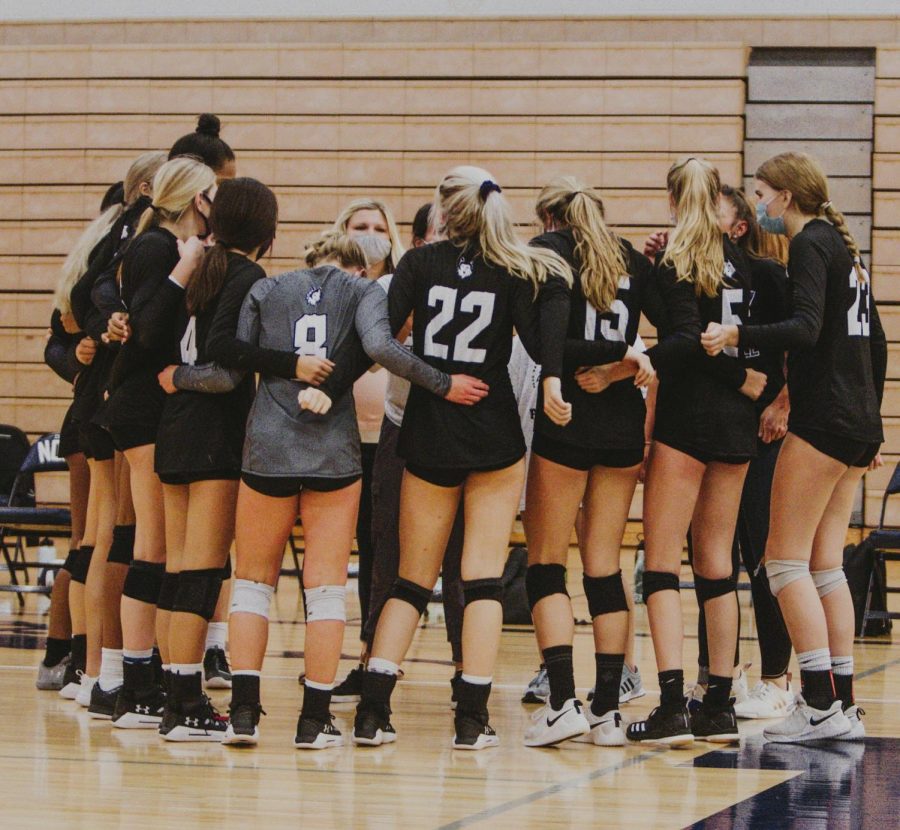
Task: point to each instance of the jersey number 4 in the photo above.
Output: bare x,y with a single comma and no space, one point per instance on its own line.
444,298
310,332
189,342
858,313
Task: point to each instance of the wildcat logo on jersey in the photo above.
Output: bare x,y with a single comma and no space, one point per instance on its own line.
729,269
314,296
464,269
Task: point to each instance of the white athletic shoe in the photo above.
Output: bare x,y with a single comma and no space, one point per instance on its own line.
807,724
552,726
739,690
70,690
606,730
766,700
83,697
857,727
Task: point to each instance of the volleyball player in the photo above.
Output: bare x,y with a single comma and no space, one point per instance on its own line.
151,269
592,461
309,460
206,144
837,359
704,436
466,293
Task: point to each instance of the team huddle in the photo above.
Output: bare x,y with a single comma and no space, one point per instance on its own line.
214,404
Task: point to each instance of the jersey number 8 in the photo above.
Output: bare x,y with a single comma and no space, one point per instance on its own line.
310,332
443,298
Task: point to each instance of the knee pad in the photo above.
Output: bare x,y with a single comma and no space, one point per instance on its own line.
167,591
782,572
198,592
143,581
327,602
121,552
478,589
72,557
250,597
708,589
81,564
828,580
544,581
226,570
659,581
605,594
417,596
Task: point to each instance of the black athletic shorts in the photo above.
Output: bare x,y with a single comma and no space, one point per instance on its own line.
846,450
704,456
69,443
283,487
442,477
193,478
584,458
96,442
129,436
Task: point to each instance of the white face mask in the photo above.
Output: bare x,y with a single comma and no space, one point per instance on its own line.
376,248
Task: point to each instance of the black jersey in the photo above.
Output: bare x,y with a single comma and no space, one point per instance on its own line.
699,406
59,353
202,432
837,351
768,303
614,418
464,310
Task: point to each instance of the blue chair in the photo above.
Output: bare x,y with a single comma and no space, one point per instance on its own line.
886,544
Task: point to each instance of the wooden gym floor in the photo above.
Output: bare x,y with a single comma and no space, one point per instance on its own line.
59,768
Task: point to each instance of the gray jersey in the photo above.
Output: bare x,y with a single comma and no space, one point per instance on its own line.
322,312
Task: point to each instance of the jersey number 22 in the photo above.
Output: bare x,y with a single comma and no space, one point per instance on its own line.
443,298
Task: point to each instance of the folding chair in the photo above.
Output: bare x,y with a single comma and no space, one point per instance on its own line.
886,544
21,518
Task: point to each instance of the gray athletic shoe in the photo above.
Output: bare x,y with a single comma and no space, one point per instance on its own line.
630,687
51,678
538,688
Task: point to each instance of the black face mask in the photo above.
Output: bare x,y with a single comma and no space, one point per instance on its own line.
205,219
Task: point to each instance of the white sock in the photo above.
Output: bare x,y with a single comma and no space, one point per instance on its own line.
325,687
246,672
87,681
816,660
140,656
475,680
167,667
216,635
111,671
381,666
186,668
842,666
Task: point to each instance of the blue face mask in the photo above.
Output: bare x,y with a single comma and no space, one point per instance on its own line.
770,224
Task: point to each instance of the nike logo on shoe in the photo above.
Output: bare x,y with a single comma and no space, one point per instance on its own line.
814,722
552,721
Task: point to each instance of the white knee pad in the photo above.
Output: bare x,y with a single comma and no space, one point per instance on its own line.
251,597
828,581
327,602
782,572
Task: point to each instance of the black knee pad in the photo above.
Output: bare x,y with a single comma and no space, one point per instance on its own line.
198,592
708,589
167,591
605,594
659,581
417,596
143,581
71,559
544,581
121,552
478,589
226,570
81,563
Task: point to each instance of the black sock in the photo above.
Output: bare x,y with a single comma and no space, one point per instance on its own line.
244,690
185,689
377,688
56,651
818,689
560,673
316,703
843,688
671,688
472,698
718,692
157,665
79,651
607,682
137,677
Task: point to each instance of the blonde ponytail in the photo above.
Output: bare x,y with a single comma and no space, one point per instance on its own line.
833,215
175,185
569,203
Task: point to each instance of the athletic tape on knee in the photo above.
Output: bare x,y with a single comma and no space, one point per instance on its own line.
121,552
416,595
143,581
708,589
198,592
605,594
782,572
655,581
226,570
327,602
251,598
81,564
72,557
490,588
828,580
167,591
544,581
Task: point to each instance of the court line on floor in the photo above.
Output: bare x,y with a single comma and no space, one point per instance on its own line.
876,669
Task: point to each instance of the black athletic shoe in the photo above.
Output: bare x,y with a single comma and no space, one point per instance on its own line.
103,704
199,722
313,734
216,671
372,726
716,725
243,725
664,726
349,690
473,731
143,710
454,689
71,682
167,724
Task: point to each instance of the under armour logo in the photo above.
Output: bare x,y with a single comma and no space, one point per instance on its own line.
192,721
142,710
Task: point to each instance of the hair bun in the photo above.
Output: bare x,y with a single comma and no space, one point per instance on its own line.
209,124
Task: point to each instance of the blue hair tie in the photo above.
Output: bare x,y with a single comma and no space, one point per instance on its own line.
488,187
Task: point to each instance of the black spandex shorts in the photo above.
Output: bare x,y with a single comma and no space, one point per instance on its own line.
96,442
704,456
129,436
584,458
442,477
846,450
283,487
69,442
